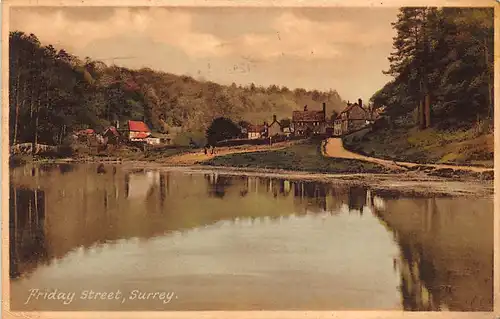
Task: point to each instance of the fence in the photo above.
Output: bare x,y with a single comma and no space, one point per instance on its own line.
259,141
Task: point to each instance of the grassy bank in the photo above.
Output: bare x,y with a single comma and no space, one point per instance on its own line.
123,152
300,157
460,147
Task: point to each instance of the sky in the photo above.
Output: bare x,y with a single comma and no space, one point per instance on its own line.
329,48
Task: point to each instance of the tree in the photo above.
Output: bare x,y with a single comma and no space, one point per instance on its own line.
443,55
410,57
243,124
221,129
334,116
285,122
53,93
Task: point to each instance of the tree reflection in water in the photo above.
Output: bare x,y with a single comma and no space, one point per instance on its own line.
55,210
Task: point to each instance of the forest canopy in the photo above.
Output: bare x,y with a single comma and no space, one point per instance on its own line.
444,55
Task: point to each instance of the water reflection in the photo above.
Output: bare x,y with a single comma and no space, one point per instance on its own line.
57,210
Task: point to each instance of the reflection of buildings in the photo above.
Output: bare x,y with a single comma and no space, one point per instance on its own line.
139,184
85,205
307,196
357,198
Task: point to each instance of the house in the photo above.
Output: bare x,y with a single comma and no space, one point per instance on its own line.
160,138
111,135
287,132
256,131
138,131
85,132
85,135
337,126
153,140
274,128
172,133
309,122
353,118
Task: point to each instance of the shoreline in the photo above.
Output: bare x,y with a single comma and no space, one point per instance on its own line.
411,183
414,184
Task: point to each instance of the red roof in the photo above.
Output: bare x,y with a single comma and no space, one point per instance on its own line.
138,126
308,116
88,131
256,128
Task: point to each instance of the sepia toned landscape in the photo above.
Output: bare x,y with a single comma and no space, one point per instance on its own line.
188,158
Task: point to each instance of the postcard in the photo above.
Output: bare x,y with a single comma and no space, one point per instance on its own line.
248,159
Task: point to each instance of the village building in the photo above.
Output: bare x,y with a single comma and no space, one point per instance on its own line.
138,131
111,135
353,118
256,131
309,122
153,140
275,128
287,132
84,135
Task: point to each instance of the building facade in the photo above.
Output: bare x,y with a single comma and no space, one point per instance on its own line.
138,131
275,128
309,122
353,118
256,131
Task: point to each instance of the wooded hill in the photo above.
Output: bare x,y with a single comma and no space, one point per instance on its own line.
53,93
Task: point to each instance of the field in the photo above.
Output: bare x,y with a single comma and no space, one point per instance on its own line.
299,157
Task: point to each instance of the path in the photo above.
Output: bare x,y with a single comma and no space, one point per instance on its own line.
335,148
193,158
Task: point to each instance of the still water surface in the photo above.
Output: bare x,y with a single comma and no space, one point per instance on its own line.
210,241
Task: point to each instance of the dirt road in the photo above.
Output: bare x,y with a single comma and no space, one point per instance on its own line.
193,158
333,147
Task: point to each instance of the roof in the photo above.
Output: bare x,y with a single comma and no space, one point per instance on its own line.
348,109
85,131
277,122
256,128
308,116
111,130
138,126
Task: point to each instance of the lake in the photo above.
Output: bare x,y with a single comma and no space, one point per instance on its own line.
94,237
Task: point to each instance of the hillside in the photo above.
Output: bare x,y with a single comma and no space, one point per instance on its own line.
458,147
53,92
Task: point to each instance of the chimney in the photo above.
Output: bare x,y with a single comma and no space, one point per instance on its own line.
274,118
305,107
324,107
360,102
117,124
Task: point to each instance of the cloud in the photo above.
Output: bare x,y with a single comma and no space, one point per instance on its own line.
159,24
288,34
